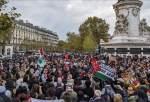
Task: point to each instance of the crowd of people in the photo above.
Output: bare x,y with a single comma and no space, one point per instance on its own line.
71,78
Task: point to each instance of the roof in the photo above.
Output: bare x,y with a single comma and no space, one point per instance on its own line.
27,24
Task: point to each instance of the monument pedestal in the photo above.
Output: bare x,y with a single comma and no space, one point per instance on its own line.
128,37
133,48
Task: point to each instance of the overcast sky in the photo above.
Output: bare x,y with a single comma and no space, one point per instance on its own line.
64,16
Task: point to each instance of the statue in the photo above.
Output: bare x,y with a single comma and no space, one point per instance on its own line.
121,25
143,26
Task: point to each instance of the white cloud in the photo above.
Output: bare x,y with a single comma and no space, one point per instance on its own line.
63,16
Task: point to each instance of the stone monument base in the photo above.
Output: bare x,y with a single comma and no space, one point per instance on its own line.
127,48
126,39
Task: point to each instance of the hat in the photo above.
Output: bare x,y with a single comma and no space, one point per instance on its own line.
97,93
2,89
8,93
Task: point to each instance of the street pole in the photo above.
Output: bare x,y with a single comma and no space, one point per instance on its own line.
100,47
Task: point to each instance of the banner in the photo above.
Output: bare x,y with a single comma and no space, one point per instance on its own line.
38,100
105,72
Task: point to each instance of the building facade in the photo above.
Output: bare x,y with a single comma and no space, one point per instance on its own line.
26,36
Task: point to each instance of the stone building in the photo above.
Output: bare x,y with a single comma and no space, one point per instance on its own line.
131,35
26,36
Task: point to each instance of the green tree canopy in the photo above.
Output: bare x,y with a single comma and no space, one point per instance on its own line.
61,45
73,41
7,17
98,27
89,43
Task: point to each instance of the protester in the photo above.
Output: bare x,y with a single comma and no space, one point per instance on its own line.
71,77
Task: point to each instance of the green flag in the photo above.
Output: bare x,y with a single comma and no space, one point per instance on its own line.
100,75
41,62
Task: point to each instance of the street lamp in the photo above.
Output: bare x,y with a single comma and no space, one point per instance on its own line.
101,48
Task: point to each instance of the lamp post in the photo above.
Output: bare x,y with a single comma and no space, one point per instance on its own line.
100,47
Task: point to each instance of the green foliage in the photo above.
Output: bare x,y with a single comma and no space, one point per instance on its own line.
98,28
2,4
91,31
89,43
7,16
28,44
74,41
5,27
61,45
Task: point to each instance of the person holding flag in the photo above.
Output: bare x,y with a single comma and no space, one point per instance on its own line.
41,60
95,65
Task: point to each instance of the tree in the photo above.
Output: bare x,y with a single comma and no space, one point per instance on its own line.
73,41
24,44
61,45
98,27
7,17
89,43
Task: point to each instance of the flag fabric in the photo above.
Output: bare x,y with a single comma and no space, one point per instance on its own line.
95,65
100,75
41,62
42,52
105,73
72,55
67,56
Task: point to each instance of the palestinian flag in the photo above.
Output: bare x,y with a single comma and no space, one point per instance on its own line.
105,72
96,70
100,75
95,65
